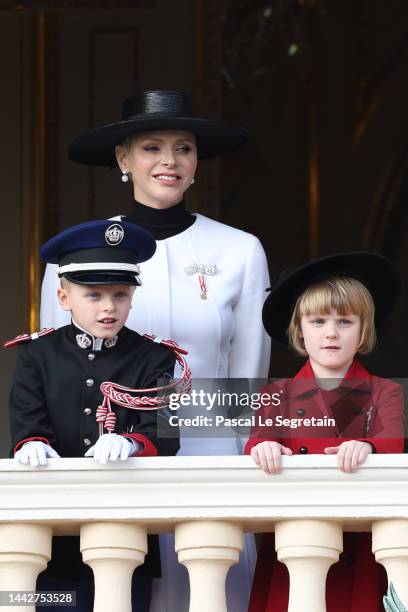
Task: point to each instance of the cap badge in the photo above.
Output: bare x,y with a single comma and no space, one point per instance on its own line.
114,234
83,341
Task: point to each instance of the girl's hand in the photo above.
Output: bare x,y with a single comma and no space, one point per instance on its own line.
267,456
350,454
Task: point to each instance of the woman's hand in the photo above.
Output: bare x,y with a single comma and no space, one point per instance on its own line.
350,454
267,456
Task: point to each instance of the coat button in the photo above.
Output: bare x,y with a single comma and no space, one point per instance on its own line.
303,450
300,412
349,559
91,356
87,411
87,442
89,382
357,410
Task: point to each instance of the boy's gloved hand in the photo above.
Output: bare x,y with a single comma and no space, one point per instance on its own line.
111,447
35,453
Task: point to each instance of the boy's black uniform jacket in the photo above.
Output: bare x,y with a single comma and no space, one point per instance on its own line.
55,395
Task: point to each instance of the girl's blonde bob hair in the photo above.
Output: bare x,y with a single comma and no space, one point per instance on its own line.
341,293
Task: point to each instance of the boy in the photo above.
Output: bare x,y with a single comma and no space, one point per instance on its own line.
55,391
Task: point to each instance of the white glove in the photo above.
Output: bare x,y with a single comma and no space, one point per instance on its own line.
35,453
110,447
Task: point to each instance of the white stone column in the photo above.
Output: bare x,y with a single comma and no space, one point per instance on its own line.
390,546
308,548
113,551
208,549
25,549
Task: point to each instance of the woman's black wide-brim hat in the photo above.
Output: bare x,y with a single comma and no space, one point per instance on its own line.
156,110
374,271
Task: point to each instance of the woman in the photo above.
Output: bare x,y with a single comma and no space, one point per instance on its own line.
205,285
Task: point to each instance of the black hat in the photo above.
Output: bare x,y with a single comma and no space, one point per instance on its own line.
156,110
100,252
374,271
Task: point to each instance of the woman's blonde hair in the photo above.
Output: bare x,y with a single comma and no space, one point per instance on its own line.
127,143
341,293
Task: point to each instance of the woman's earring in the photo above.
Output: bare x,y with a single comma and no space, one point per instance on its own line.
125,177
193,181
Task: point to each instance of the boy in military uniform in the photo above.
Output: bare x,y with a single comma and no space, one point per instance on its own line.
55,392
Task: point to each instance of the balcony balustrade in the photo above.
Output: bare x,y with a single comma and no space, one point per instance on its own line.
208,502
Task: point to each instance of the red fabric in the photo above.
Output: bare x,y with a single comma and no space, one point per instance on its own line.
356,583
359,390
148,450
20,444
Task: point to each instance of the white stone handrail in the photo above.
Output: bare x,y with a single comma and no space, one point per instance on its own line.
208,502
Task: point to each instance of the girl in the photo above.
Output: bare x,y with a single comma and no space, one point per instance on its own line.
327,310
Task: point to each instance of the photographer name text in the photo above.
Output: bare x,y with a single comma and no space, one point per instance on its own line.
253,420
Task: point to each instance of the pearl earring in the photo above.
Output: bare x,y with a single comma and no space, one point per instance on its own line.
125,177
193,181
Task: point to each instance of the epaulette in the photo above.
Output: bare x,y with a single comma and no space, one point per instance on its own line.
26,337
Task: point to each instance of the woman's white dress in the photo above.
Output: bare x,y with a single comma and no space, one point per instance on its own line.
224,337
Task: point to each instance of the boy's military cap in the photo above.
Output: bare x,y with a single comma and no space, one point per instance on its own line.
100,252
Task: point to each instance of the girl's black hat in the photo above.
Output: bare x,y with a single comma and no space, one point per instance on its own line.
374,271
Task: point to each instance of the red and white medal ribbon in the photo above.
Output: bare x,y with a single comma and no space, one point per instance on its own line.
203,287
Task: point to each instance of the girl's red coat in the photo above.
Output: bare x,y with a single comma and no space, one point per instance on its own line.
364,407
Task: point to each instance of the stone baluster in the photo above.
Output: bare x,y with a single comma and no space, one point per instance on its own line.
308,548
390,546
113,551
25,549
208,549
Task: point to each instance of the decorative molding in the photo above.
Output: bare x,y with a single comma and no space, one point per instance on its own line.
37,209
24,235
385,198
40,32
372,87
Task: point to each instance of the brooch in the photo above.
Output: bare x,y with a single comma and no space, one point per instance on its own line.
201,270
